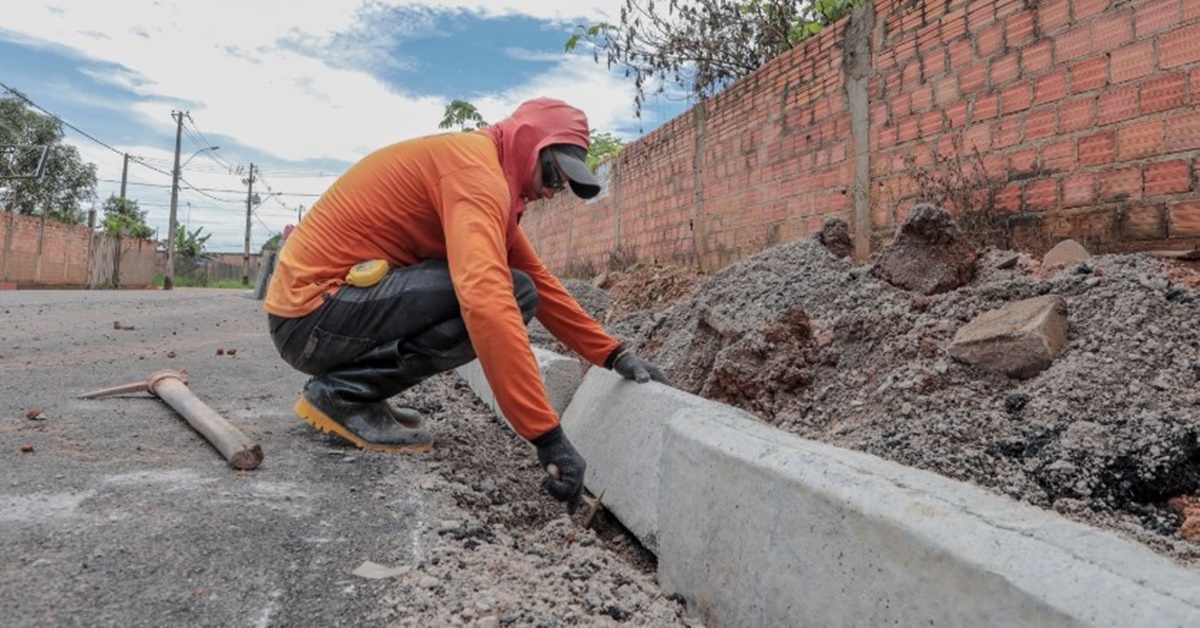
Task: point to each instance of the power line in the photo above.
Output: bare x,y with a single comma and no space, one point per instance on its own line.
198,189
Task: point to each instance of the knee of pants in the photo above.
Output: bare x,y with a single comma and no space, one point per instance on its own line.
526,293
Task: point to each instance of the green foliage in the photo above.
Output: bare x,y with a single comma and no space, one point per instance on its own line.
462,114
703,45
604,145
273,244
190,255
190,245
122,217
67,185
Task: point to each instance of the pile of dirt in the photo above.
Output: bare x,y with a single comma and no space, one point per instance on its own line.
825,349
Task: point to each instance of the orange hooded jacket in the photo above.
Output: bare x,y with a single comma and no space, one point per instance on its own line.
457,197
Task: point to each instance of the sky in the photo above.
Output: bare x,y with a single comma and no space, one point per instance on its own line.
300,90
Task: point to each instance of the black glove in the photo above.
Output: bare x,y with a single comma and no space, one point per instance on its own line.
632,367
566,476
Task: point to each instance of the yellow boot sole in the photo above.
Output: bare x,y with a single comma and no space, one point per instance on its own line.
314,417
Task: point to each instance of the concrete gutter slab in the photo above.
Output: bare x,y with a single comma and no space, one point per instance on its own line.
618,426
759,528
560,374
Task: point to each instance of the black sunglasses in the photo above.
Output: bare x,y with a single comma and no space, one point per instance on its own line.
550,177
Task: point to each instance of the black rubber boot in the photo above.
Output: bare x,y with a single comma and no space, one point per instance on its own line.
367,424
351,400
407,417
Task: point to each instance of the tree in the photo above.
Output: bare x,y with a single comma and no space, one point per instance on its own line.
67,185
189,251
462,114
122,217
604,145
703,45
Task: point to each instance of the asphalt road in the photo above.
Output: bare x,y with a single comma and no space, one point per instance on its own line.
115,512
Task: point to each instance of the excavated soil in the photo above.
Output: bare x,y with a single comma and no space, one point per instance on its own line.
819,347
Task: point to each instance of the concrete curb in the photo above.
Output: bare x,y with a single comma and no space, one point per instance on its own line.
754,526
561,375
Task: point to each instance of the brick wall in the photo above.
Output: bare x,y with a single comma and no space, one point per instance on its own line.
1081,112
44,253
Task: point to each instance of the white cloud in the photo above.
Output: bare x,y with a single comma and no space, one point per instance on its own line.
249,75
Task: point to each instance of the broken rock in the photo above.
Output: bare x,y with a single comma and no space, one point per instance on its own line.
1020,339
1065,253
835,235
930,254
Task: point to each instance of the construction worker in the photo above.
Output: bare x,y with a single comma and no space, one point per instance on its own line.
414,263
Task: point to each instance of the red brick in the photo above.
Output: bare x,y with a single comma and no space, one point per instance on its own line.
1144,222
978,138
1132,62
1016,98
1023,162
980,14
1113,30
1161,94
954,25
1183,132
1037,57
1077,114
1098,148
1059,156
1087,8
1191,10
1006,69
986,107
1006,132
961,54
911,76
989,41
972,79
1140,140
1184,219
1042,195
945,90
1121,184
909,129
957,114
1073,44
1089,75
1050,87
1168,177
1079,190
1008,199
1018,28
922,98
931,123
1053,15
1118,105
1179,47
1154,17
1040,123
933,63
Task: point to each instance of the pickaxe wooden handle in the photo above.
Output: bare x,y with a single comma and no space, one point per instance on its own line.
171,387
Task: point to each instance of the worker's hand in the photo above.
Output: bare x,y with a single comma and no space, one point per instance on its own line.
564,467
632,367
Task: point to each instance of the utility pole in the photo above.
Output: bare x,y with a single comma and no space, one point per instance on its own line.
249,206
125,175
169,273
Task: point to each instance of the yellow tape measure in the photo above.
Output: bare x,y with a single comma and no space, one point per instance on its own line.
367,274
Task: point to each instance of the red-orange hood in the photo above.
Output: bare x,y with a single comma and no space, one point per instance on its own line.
534,125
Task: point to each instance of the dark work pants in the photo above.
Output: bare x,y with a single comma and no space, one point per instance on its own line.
380,340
